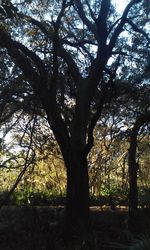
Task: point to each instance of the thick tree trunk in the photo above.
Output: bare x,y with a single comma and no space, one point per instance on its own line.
77,199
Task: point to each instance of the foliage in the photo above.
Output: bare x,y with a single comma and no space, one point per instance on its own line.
67,66
108,169
144,197
143,243
140,243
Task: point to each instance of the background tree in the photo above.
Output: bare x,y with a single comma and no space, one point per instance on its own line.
133,164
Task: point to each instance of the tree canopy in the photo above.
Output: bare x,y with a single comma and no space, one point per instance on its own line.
66,61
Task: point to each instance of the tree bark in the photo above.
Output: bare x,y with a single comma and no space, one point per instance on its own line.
133,165
133,188
77,198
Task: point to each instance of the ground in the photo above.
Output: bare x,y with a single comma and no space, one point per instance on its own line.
39,228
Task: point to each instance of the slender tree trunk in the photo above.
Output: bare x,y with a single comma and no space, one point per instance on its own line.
77,199
133,188
133,165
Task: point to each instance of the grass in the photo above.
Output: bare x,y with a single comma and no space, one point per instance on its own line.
34,221
39,228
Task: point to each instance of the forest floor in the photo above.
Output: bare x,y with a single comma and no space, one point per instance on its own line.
39,228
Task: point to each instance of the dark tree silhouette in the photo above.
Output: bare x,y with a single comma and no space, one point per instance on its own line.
65,59
133,165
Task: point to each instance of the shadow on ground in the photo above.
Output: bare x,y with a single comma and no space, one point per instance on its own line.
39,228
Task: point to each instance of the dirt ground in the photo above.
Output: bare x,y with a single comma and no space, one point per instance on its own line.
39,228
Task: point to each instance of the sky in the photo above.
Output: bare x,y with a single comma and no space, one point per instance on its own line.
120,4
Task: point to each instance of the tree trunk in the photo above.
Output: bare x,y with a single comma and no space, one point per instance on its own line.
133,189
133,165
77,199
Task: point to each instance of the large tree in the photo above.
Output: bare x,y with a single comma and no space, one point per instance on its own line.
69,52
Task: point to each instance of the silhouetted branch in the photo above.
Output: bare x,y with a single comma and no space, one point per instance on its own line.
83,17
26,165
119,28
137,29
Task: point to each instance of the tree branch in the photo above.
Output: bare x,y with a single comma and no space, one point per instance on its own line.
119,28
102,21
136,29
21,60
83,17
71,64
90,9
38,62
94,120
26,165
12,12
